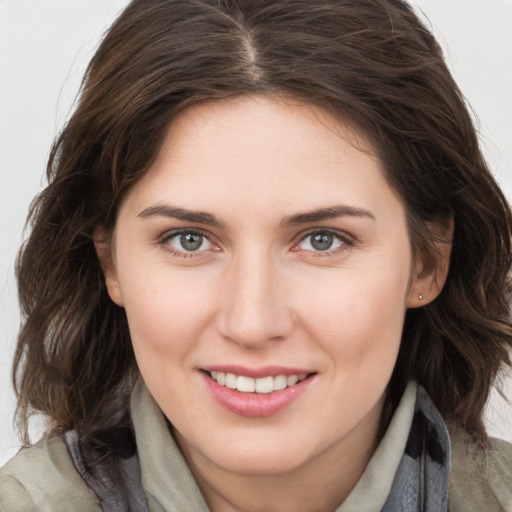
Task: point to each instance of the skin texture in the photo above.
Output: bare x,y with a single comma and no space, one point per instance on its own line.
257,293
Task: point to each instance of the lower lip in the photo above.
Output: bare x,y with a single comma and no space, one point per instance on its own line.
256,405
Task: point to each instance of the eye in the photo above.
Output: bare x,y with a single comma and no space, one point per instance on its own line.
321,241
188,242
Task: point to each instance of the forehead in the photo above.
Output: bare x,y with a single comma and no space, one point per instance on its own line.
253,152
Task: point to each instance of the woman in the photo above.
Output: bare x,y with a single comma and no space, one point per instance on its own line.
269,272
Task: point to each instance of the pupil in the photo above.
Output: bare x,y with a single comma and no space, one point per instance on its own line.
191,241
322,241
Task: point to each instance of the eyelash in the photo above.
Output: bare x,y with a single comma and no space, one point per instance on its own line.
345,240
164,241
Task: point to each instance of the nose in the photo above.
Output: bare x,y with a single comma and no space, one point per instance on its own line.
255,309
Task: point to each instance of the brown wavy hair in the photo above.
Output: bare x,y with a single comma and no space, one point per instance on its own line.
370,62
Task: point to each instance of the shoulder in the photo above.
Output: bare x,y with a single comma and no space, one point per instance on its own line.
43,478
480,479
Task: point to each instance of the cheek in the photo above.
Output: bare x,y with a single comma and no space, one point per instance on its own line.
358,314
359,328
167,311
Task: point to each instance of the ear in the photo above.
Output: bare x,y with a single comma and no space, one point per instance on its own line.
430,276
104,249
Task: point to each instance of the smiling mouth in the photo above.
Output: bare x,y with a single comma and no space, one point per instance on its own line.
262,385
256,392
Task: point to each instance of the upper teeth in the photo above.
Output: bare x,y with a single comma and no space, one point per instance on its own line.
261,385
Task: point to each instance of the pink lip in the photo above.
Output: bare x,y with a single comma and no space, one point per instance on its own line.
255,405
255,373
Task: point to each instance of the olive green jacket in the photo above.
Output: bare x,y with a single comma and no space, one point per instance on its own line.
43,478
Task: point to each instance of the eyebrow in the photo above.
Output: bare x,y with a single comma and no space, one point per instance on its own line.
208,219
325,214
182,214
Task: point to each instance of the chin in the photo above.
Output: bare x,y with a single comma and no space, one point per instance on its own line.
258,463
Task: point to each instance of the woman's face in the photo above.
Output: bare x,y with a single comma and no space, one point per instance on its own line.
264,251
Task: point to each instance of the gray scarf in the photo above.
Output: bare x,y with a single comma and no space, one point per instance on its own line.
421,482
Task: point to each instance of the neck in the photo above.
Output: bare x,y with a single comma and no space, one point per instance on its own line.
321,483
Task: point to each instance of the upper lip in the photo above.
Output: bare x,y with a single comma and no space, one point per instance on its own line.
255,373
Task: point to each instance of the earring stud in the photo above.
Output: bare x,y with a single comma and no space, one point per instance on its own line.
420,296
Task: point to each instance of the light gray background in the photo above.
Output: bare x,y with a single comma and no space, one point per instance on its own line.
44,48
